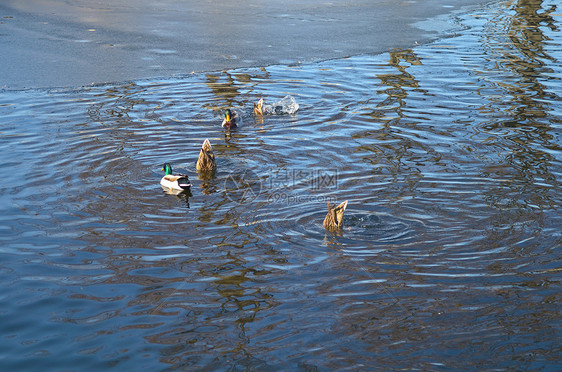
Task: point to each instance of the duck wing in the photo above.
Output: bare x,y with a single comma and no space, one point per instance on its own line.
181,179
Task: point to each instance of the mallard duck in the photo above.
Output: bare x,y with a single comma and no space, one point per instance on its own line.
174,181
231,119
258,107
334,218
206,161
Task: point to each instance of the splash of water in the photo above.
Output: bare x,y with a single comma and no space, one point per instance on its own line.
286,106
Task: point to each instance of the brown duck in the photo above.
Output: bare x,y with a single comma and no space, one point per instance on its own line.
334,218
206,161
258,107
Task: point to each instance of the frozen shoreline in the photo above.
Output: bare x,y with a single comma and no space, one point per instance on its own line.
58,43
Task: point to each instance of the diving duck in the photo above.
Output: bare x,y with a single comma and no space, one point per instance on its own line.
334,218
258,107
231,119
174,181
206,161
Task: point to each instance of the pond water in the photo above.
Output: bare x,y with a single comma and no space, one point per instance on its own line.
450,157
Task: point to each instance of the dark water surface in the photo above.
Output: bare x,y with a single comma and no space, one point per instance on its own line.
450,157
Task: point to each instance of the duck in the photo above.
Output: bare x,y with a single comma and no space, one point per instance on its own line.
231,119
258,107
334,218
173,181
206,161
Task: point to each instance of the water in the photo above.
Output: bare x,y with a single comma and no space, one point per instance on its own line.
449,155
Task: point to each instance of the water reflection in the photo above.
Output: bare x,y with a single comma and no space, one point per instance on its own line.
518,43
180,194
396,152
236,301
448,155
228,87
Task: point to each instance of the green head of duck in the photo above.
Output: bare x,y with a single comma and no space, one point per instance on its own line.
167,168
228,115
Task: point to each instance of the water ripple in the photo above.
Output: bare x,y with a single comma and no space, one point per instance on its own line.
449,155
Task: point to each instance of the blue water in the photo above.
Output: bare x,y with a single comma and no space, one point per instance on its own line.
449,155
